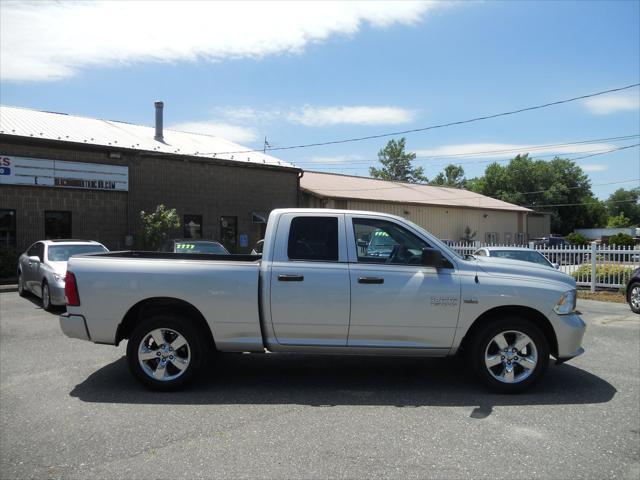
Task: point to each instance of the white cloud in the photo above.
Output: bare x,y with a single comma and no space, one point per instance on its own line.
507,150
312,116
227,131
51,41
608,104
595,167
358,115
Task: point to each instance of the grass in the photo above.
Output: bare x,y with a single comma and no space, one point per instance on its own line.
603,296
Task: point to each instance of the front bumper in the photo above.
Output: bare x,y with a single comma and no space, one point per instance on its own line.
74,326
570,330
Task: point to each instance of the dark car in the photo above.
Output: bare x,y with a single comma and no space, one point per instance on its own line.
190,245
633,291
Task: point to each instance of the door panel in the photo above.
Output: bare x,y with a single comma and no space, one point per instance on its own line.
396,301
415,307
313,310
310,281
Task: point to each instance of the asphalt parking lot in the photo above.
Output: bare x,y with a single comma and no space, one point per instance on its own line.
70,409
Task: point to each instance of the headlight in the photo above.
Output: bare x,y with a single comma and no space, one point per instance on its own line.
58,278
566,304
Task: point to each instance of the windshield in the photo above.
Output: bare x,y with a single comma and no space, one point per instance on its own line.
61,253
200,247
523,255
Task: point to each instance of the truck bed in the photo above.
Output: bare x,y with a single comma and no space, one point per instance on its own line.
223,288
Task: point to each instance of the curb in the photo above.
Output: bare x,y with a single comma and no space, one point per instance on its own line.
9,288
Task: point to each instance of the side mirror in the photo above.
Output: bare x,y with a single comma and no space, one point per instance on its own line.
556,266
33,259
432,257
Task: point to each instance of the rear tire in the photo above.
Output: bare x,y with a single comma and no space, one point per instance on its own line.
165,352
21,291
633,297
509,355
46,297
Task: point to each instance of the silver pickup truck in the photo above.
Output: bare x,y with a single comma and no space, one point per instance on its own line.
329,282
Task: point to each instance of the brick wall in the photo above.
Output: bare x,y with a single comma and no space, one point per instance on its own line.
191,186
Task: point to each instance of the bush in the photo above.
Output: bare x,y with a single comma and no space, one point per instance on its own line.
621,240
8,263
156,226
577,239
604,274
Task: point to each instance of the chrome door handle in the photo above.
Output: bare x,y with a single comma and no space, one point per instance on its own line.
290,278
371,280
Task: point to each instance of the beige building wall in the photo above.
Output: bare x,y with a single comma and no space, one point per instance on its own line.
445,222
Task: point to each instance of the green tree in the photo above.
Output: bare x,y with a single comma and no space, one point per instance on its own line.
621,240
626,202
451,176
577,239
619,221
396,164
156,226
559,187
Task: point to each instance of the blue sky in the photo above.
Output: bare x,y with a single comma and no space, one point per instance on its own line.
304,73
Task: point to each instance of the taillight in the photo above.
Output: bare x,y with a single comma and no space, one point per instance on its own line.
71,290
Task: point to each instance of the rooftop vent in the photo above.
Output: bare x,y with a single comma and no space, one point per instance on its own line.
159,111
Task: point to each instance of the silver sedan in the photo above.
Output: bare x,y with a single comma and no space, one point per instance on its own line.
42,268
516,253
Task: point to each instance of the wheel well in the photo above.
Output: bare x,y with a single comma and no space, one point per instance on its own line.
537,318
161,305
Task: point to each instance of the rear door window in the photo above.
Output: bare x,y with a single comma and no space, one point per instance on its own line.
313,238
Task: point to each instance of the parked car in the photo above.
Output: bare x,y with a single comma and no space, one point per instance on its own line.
42,268
551,241
190,245
633,291
516,253
315,291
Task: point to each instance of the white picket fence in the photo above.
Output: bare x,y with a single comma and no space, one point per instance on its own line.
593,266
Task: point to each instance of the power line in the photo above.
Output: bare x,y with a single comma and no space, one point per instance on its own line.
485,152
433,127
538,158
577,204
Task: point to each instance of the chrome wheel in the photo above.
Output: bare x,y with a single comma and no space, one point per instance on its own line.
164,354
46,299
511,356
634,297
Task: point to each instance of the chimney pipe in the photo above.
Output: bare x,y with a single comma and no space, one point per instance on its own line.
159,107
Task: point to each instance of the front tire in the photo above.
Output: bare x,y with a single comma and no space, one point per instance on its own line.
634,297
509,355
165,352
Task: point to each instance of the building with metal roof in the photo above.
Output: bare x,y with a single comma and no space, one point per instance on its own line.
68,176
447,212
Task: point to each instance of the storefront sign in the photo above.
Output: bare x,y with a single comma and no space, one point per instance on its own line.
56,173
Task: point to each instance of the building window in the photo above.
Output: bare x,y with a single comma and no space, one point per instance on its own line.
7,228
313,238
491,237
192,226
57,224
